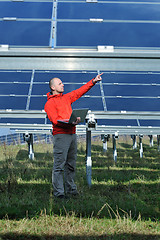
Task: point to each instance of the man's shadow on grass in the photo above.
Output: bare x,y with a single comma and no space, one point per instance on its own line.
122,236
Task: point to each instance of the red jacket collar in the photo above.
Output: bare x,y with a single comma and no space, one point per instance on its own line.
50,95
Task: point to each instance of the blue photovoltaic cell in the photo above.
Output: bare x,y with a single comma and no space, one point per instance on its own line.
25,33
43,77
14,83
114,34
119,122
17,103
37,103
14,88
11,76
40,89
89,102
65,77
111,11
131,90
140,78
130,104
23,120
26,9
78,77
153,123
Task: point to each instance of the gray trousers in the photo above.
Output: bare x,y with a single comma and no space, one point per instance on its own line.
65,154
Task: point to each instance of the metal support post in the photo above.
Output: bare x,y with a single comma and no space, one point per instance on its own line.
28,137
151,140
114,137
158,142
105,139
134,141
91,122
140,146
88,157
105,146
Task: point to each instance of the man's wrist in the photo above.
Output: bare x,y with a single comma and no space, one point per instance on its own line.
94,82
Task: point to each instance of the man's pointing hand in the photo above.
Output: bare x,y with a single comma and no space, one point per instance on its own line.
97,78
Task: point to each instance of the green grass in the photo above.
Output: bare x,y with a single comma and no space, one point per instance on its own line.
122,203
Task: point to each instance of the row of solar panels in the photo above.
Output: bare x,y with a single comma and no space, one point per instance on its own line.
80,24
128,91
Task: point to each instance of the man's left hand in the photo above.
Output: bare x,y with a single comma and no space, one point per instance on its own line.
78,120
97,78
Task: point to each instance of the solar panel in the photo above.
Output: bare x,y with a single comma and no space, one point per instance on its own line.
26,23
146,78
15,76
129,104
13,102
112,11
25,33
37,103
155,123
26,9
126,35
14,88
119,24
91,103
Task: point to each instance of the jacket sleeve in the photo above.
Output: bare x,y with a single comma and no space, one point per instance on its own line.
76,94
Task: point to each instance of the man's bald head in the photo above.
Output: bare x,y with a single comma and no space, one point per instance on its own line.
52,82
56,86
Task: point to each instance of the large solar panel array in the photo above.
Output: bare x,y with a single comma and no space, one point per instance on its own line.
81,24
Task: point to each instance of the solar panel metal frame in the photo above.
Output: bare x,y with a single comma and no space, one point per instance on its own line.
146,130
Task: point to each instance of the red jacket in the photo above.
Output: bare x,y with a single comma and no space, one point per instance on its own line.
58,107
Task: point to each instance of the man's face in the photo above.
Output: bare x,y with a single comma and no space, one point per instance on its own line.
58,86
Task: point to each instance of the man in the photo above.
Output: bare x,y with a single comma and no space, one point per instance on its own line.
58,107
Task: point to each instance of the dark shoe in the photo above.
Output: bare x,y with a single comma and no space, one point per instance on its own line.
61,197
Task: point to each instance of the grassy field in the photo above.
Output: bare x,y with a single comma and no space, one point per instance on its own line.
123,202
